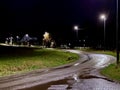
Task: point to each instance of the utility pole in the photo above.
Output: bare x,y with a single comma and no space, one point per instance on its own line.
117,40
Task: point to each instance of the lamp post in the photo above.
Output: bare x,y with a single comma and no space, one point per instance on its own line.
103,17
117,40
76,28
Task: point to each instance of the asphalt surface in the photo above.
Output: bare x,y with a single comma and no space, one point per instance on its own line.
80,75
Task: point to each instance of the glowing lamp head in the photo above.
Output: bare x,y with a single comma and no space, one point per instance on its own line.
103,17
76,28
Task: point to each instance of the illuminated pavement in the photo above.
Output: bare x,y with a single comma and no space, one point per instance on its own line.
80,75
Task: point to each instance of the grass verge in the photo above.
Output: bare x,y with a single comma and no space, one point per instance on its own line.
111,72
24,60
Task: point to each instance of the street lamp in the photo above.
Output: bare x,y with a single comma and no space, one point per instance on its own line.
76,28
104,18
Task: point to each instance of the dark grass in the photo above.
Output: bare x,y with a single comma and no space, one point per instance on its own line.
23,59
111,72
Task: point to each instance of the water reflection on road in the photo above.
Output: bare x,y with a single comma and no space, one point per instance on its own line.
46,86
82,82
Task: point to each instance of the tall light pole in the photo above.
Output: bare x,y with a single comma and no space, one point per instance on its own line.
104,18
76,28
117,40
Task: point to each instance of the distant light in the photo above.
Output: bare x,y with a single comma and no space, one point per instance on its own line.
103,17
17,36
76,28
26,35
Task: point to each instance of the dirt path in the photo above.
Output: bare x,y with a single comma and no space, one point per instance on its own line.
75,76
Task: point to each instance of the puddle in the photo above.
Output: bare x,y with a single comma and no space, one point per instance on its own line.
68,81
84,61
46,86
67,66
92,77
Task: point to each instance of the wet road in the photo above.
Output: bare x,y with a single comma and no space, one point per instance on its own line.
80,75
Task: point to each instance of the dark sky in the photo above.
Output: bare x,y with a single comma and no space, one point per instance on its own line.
55,16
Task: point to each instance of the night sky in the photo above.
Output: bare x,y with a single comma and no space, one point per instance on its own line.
58,17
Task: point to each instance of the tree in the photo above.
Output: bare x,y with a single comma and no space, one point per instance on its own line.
46,39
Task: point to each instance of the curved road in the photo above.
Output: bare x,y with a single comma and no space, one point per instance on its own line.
80,75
